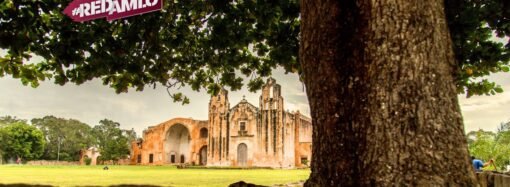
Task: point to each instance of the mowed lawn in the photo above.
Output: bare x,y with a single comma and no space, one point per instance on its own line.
144,175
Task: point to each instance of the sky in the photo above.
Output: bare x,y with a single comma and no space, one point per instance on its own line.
487,112
93,101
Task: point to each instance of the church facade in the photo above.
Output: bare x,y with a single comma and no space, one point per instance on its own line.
242,136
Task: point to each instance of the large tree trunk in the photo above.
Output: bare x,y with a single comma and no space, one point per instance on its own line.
379,79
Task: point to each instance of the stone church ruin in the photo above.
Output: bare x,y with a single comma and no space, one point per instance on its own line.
242,136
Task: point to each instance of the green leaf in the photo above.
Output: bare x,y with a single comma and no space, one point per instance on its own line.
498,89
505,68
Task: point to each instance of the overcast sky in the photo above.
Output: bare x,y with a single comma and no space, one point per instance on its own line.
92,101
487,112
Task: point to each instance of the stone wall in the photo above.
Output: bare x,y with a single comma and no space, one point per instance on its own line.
303,149
493,179
126,161
51,162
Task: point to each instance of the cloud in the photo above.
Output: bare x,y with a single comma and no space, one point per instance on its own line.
487,112
92,101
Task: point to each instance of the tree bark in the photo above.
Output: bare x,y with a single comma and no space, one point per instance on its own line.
379,75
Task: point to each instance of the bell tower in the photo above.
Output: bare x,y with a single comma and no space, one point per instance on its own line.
218,130
271,107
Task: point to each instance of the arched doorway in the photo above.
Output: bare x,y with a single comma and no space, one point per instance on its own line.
203,155
172,157
177,144
86,160
242,154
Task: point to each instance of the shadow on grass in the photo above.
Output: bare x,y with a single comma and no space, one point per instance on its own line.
23,185
36,185
244,184
237,184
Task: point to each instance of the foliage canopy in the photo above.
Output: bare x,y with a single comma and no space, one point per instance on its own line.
209,44
112,141
21,140
488,145
41,140
68,135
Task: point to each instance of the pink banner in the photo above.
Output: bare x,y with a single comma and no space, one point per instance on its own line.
85,10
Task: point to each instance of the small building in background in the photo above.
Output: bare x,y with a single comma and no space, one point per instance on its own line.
91,153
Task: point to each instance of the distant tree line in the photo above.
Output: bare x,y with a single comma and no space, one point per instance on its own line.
487,145
53,138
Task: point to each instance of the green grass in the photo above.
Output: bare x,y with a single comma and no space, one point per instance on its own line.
146,175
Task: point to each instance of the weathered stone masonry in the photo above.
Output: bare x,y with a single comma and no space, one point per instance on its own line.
244,135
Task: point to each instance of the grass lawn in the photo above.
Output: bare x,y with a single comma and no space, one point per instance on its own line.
147,175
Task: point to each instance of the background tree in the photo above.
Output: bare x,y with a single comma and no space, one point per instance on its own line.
488,145
482,144
65,137
20,140
6,120
112,141
385,85
131,136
